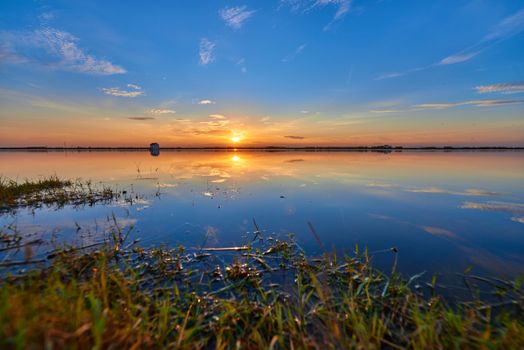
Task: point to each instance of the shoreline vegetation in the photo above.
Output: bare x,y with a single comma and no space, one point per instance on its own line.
52,191
265,294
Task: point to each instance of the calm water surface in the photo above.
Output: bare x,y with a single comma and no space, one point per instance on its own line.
443,211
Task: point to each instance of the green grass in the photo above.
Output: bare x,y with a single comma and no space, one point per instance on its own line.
266,296
50,191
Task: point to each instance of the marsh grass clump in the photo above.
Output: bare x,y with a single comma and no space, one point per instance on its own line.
270,296
51,191
11,190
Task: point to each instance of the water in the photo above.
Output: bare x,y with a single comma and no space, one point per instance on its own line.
444,211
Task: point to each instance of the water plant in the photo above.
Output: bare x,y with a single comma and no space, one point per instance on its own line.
266,295
51,191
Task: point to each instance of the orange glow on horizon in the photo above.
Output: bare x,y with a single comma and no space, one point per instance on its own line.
61,129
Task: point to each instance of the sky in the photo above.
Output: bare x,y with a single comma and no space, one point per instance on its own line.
262,73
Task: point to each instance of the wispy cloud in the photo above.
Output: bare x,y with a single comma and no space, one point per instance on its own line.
294,137
509,26
423,106
476,103
447,105
135,91
141,118
235,16
388,110
295,53
54,49
46,17
217,126
343,7
214,132
206,102
161,111
389,75
459,58
216,123
507,88
206,51
505,29
242,64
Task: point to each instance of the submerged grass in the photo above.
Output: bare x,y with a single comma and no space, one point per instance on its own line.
50,191
266,296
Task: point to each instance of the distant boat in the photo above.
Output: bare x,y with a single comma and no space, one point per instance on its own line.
154,149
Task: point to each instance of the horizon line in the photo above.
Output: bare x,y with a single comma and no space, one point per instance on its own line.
381,147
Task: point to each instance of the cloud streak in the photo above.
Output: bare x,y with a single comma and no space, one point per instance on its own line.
206,52
235,16
476,103
141,118
509,26
458,58
505,29
448,105
507,88
161,111
115,91
342,7
54,49
292,56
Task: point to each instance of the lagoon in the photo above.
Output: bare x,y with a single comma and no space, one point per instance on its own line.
443,211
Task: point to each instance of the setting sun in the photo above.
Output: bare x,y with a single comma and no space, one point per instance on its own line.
236,139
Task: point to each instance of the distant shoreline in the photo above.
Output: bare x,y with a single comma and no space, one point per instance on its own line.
265,149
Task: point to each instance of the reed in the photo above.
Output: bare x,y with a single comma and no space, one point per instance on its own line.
51,191
267,296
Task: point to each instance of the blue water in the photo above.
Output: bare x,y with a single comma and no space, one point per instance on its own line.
444,212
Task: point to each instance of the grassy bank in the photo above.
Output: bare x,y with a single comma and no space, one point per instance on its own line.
267,295
51,191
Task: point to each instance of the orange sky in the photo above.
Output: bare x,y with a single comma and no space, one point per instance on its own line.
56,125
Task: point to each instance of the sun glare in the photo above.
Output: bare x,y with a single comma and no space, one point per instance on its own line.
236,139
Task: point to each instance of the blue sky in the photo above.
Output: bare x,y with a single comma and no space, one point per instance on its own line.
263,72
